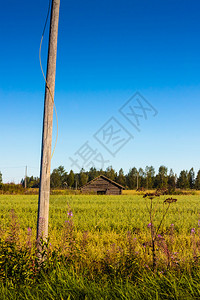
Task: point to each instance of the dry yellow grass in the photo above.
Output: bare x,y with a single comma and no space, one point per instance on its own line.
184,192
134,192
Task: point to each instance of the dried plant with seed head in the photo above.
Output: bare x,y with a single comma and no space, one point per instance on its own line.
155,237
170,200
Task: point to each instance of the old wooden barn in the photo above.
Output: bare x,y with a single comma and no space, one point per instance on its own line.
102,185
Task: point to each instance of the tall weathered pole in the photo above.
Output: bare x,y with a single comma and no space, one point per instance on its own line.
25,178
44,191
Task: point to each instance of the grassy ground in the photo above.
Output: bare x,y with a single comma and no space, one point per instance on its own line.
100,213
103,251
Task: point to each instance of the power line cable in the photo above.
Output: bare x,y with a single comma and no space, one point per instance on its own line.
19,167
45,76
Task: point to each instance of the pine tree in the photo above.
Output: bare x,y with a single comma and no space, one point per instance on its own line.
58,177
70,179
121,179
83,177
162,178
141,178
110,173
191,178
1,180
171,181
131,178
150,173
183,181
197,181
93,173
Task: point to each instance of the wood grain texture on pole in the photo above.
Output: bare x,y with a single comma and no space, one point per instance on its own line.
44,191
25,178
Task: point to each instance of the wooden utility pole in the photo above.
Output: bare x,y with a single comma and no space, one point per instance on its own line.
25,179
44,191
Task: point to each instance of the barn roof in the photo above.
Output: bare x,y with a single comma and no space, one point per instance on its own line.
106,178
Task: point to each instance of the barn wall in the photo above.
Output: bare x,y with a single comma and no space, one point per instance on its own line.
102,185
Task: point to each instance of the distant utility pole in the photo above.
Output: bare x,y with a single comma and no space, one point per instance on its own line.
25,179
137,180
44,191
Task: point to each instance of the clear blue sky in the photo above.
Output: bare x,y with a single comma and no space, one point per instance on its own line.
107,51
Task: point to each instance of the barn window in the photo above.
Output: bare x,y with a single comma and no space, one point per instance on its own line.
101,192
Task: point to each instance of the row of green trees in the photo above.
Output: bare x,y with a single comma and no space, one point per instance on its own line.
135,178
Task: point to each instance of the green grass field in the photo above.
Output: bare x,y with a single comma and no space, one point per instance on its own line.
100,213
104,250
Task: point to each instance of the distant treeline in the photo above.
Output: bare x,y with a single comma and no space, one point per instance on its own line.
135,178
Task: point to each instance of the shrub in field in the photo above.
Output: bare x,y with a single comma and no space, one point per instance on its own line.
11,188
15,261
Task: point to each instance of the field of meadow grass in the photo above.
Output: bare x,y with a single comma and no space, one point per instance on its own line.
103,247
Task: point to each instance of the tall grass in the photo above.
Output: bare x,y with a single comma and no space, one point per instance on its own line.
100,247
